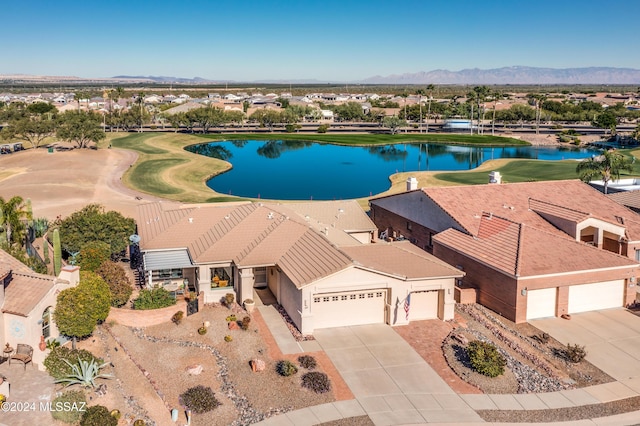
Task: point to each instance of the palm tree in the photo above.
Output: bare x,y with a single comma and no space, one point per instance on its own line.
495,96
430,89
405,95
13,213
606,166
420,93
471,98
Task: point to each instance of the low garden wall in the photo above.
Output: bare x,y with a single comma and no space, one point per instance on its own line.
144,318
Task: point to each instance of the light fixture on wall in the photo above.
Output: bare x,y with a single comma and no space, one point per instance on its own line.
523,291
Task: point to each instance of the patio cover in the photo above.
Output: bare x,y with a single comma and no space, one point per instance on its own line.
167,259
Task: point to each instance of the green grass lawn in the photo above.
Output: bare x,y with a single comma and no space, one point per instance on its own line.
148,176
523,171
373,139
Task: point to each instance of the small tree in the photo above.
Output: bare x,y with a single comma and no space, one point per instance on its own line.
119,284
93,254
80,127
81,308
393,123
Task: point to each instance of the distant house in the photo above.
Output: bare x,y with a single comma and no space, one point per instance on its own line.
320,261
529,250
327,114
27,300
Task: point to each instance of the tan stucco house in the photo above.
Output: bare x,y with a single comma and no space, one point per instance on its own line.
321,260
530,250
27,301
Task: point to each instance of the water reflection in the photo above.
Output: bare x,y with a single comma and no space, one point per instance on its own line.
297,170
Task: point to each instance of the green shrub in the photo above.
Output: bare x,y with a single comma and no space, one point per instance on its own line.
486,359
75,398
98,415
316,381
57,368
575,353
153,299
244,324
228,299
323,128
177,317
119,284
202,330
199,399
307,361
286,368
231,318
93,254
228,338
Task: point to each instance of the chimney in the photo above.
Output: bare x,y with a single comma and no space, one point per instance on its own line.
494,177
412,184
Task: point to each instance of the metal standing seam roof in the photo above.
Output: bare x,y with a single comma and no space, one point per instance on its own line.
167,259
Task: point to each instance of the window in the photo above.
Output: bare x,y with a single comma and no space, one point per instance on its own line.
409,226
165,274
637,255
222,277
46,322
430,240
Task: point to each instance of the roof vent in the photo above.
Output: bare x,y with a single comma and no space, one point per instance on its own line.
190,220
270,215
412,184
227,217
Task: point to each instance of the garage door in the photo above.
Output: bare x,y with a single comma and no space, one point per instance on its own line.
591,297
424,305
348,308
541,303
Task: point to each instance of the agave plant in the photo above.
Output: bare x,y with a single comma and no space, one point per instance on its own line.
84,373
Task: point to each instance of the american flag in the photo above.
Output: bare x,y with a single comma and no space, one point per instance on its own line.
407,306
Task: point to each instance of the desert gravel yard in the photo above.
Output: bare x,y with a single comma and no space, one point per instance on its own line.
164,354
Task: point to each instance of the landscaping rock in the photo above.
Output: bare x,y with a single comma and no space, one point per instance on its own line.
194,370
257,365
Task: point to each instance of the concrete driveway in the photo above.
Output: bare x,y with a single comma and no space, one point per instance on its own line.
611,338
392,383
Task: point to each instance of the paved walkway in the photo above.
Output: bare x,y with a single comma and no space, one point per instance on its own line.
393,385
30,388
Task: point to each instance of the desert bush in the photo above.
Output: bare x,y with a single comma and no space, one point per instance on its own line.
153,299
244,324
228,338
75,398
575,353
323,128
177,317
97,415
228,299
286,368
202,330
57,368
231,318
307,361
119,284
485,358
199,399
316,381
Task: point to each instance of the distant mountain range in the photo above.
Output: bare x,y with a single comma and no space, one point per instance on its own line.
515,75
506,75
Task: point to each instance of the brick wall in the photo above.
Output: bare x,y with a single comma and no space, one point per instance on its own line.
417,234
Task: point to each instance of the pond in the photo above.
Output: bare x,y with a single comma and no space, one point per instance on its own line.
296,170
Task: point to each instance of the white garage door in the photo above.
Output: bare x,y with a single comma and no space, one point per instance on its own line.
541,303
591,297
348,308
424,305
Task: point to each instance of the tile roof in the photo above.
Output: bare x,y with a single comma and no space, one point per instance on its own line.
25,288
569,198
630,199
519,250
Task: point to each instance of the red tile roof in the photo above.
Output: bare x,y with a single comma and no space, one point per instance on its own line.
518,202
25,288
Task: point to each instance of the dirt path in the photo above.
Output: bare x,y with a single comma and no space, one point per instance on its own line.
63,182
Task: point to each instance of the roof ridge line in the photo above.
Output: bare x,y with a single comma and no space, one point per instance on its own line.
260,238
555,205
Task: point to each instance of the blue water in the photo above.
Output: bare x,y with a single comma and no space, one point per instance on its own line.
293,170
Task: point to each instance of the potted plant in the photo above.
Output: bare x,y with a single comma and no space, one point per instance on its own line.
249,305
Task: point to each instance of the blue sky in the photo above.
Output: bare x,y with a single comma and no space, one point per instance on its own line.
325,40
